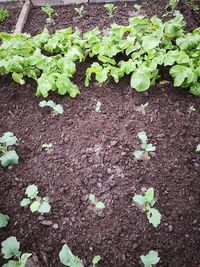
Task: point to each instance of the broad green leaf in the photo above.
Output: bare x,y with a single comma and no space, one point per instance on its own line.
143,137
59,109
148,147
150,259
100,205
4,219
35,206
138,154
68,259
8,138
149,42
45,207
32,191
139,199
24,258
92,197
182,73
96,259
198,148
9,158
139,81
149,194
154,216
18,77
25,202
10,248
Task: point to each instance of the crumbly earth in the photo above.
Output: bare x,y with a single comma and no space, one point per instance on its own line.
9,24
92,153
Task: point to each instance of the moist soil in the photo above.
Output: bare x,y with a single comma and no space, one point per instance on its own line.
92,153
9,24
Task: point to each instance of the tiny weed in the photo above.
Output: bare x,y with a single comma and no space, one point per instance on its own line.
50,13
3,14
137,7
80,11
145,147
191,109
57,108
40,204
98,106
96,260
8,156
194,6
150,259
98,204
170,7
4,219
198,148
10,250
147,202
144,107
47,147
110,8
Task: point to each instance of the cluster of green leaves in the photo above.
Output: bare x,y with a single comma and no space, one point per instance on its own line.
98,204
8,156
150,259
10,251
50,13
145,147
147,202
68,259
40,204
79,11
147,44
3,14
57,108
110,8
4,219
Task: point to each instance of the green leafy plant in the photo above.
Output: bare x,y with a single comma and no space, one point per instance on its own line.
150,259
4,219
146,203
145,147
47,147
8,156
3,14
57,108
96,260
10,250
170,7
198,148
98,204
68,259
110,8
50,13
137,7
39,204
80,11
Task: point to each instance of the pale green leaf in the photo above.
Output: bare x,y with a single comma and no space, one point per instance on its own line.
198,148
138,154
32,191
35,206
150,259
154,216
150,42
8,139
9,158
45,207
68,259
4,219
100,205
141,82
25,202
149,195
96,259
10,248
143,136
92,197
139,199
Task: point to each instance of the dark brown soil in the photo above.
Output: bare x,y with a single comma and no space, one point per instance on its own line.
9,24
92,153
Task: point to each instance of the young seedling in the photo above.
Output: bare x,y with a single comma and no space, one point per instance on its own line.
191,109
47,147
137,7
98,106
145,147
4,219
3,14
144,107
10,251
8,156
40,204
198,148
96,260
150,259
57,108
146,203
170,7
110,8
68,259
80,11
98,204
50,13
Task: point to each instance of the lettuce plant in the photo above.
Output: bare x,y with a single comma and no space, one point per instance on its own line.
110,8
39,204
11,252
7,155
145,147
150,259
57,108
4,219
98,204
146,203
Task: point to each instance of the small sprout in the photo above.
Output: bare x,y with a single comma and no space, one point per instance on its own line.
10,249
8,156
98,204
110,8
198,148
80,11
145,147
144,107
150,259
68,259
170,7
98,106
95,260
4,219
146,203
36,203
57,108
137,7
163,82
47,147
3,14
50,13
191,109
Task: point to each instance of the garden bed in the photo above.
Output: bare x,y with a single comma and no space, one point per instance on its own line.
92,153
9,24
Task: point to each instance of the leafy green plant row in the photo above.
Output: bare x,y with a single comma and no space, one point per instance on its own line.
146,45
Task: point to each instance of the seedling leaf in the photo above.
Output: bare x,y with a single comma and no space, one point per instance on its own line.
138,154
143,137
68,259
25,202
100,205
45,207
154,216
139,199
10,248
35,206
150,259
31,191
96,259
149,195
92,197
8,138
8,158
4,219
198,148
